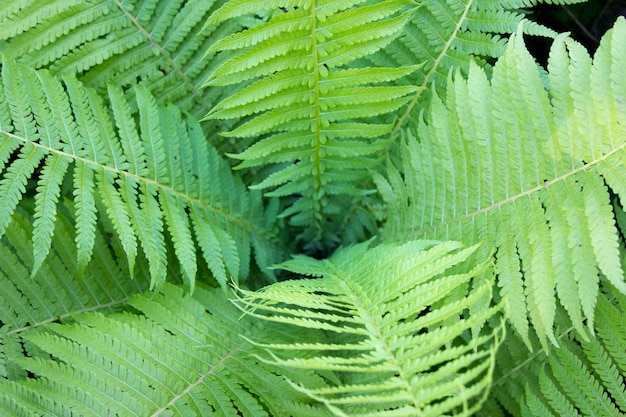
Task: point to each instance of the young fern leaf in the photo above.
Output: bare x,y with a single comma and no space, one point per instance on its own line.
57,292
176,355
149,177
313,115
525,170
398,332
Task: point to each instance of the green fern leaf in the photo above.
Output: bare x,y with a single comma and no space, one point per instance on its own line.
394,347
503,161
59,290
444,35
303,103
175,356
584,376
119,42
145,191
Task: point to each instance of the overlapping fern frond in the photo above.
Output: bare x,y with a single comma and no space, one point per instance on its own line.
311,111
58,291
174,355
401,326
156,43
444,35
527,168
149,173
583,377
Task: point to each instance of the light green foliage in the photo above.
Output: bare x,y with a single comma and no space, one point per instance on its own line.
398,328
540,198
309,110
119,42
123,226
583,377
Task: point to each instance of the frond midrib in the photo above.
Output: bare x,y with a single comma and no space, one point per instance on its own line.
230,217
427,79
379,336
198,381
586,166
318,121
61,317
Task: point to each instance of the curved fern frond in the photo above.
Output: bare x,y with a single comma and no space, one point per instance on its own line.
584,376
151,173
397,320
444,35
311,112
123,42
507,161
174,355
58,291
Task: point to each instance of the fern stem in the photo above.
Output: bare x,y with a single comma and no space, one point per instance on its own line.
317,197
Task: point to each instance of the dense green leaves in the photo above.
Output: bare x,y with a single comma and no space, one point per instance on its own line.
108,186
583,377
150,173
311,114
173,356
157,43
525,168
398,321
59,290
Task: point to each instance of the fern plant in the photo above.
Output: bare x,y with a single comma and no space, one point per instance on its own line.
435,186
550,215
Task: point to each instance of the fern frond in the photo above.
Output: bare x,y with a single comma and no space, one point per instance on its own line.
58,291
150,172
175,355
444,35
397,328
310,112
155,43
508,162
584,376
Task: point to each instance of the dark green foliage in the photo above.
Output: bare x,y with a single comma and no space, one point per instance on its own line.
584,376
